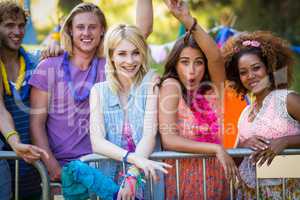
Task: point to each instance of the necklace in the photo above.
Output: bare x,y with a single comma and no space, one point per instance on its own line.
67,77
205,116
253,111
19,81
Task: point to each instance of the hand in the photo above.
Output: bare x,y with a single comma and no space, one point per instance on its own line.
52,50
28,152
275,147
149,166
231,171
179,9
54,170
256,143
128,191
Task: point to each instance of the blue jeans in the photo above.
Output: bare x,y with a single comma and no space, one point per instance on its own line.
5,180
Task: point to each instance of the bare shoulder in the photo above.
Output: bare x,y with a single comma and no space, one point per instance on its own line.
170,93
293,105
171,85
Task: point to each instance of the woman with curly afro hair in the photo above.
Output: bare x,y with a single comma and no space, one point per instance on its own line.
261,64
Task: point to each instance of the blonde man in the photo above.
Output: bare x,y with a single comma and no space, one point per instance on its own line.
61,86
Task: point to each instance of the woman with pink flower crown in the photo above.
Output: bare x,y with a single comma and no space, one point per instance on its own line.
261,63
188,111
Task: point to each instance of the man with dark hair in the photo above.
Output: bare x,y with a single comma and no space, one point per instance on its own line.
16,68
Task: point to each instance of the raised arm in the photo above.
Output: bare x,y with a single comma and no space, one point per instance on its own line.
28,152
144,16
38,118
215,60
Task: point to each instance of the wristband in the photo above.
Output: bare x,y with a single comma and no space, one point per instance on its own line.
193,27
190,31
9,134
124,159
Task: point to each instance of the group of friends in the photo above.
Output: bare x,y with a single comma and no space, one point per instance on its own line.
99,95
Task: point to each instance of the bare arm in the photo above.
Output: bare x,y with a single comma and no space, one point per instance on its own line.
144,16
97,135
38,118
293,108
213,54
147,143
97,130
7,123
279,144
28,152
169,96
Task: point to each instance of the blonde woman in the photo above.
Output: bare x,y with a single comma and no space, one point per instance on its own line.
61,85
123,118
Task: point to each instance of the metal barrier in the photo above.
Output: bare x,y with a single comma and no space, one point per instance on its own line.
235,153
10,155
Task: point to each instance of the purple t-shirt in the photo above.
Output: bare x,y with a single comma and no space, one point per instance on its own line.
68,121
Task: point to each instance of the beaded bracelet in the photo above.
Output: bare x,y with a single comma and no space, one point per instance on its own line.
193,27
9,134
133,170
190,30
124,161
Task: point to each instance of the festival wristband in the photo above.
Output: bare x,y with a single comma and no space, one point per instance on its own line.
134,171
125,157
128,180
9,134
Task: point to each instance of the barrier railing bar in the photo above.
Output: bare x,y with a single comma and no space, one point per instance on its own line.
236,153
10,155
257,184
231,190
204,178
177,179
283,188
151,189
16,179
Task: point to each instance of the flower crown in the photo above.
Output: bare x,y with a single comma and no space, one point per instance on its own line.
246,43
252,43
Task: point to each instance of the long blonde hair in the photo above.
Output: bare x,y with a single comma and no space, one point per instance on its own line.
66,38
112,39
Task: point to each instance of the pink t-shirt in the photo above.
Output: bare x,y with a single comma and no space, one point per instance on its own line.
68,121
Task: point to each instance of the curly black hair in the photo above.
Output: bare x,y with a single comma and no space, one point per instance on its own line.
273,51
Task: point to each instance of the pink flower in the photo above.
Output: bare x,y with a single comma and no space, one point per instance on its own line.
252,43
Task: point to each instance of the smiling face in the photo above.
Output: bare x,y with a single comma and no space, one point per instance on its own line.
12,32
253,73
86,31
191,67
127,59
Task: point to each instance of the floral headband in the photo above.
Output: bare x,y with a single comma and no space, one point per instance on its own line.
246,43
252,43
